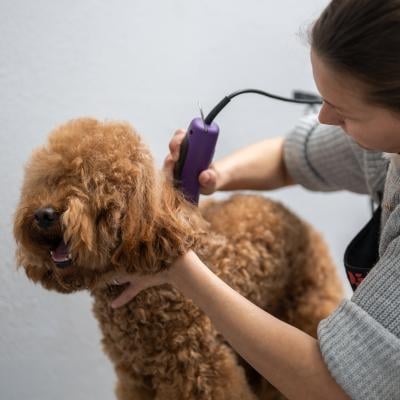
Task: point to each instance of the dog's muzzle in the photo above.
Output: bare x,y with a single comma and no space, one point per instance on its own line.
48,219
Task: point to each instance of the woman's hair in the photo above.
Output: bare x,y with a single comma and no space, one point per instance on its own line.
361,38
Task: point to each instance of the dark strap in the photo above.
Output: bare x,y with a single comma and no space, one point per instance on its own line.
362,253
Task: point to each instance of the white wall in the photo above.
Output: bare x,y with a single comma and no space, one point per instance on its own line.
147,62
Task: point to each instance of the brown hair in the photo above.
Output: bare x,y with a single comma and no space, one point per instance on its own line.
362,39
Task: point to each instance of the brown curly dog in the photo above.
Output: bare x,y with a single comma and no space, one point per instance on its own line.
93,206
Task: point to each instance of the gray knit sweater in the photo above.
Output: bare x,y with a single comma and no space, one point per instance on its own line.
360,340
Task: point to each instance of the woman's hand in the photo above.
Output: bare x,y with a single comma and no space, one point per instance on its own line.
137,283
173,275
209,179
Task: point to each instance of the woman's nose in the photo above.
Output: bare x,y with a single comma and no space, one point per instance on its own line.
329,116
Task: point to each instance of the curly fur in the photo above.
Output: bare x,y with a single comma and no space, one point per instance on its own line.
118,214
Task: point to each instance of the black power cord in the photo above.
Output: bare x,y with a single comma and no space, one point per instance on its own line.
299,97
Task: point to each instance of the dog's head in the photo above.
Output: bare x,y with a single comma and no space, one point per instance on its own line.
92,205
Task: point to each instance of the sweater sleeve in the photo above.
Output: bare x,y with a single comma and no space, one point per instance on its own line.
323,158
360,341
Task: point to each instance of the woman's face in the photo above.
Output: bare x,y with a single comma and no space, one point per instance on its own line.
372,127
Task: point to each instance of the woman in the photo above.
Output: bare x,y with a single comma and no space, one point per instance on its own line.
355,47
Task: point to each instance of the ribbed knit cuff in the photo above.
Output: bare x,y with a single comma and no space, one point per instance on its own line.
379,293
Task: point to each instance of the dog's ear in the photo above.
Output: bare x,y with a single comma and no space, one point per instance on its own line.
138,222
79,229
159,226
178,225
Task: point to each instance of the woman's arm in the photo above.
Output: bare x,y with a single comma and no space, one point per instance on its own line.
259,166
284,355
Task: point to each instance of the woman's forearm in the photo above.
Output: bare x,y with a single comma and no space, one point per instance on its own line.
285,356
259,166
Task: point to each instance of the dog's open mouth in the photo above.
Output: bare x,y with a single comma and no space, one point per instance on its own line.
61,255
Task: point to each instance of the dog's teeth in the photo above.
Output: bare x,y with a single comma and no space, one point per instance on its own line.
53,254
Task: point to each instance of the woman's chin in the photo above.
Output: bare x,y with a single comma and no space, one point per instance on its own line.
363,146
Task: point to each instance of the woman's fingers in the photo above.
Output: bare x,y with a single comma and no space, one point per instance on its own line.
173,156
126,296
137,283
168,168
175,143
208,181
120,280
135,286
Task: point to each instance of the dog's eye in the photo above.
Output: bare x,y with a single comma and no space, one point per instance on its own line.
101,216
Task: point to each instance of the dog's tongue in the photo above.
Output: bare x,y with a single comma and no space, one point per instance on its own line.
60,253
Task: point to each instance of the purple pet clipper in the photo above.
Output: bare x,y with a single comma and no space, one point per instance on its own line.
197,149
196,153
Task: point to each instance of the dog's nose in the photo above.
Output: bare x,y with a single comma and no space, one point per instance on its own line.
46,217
